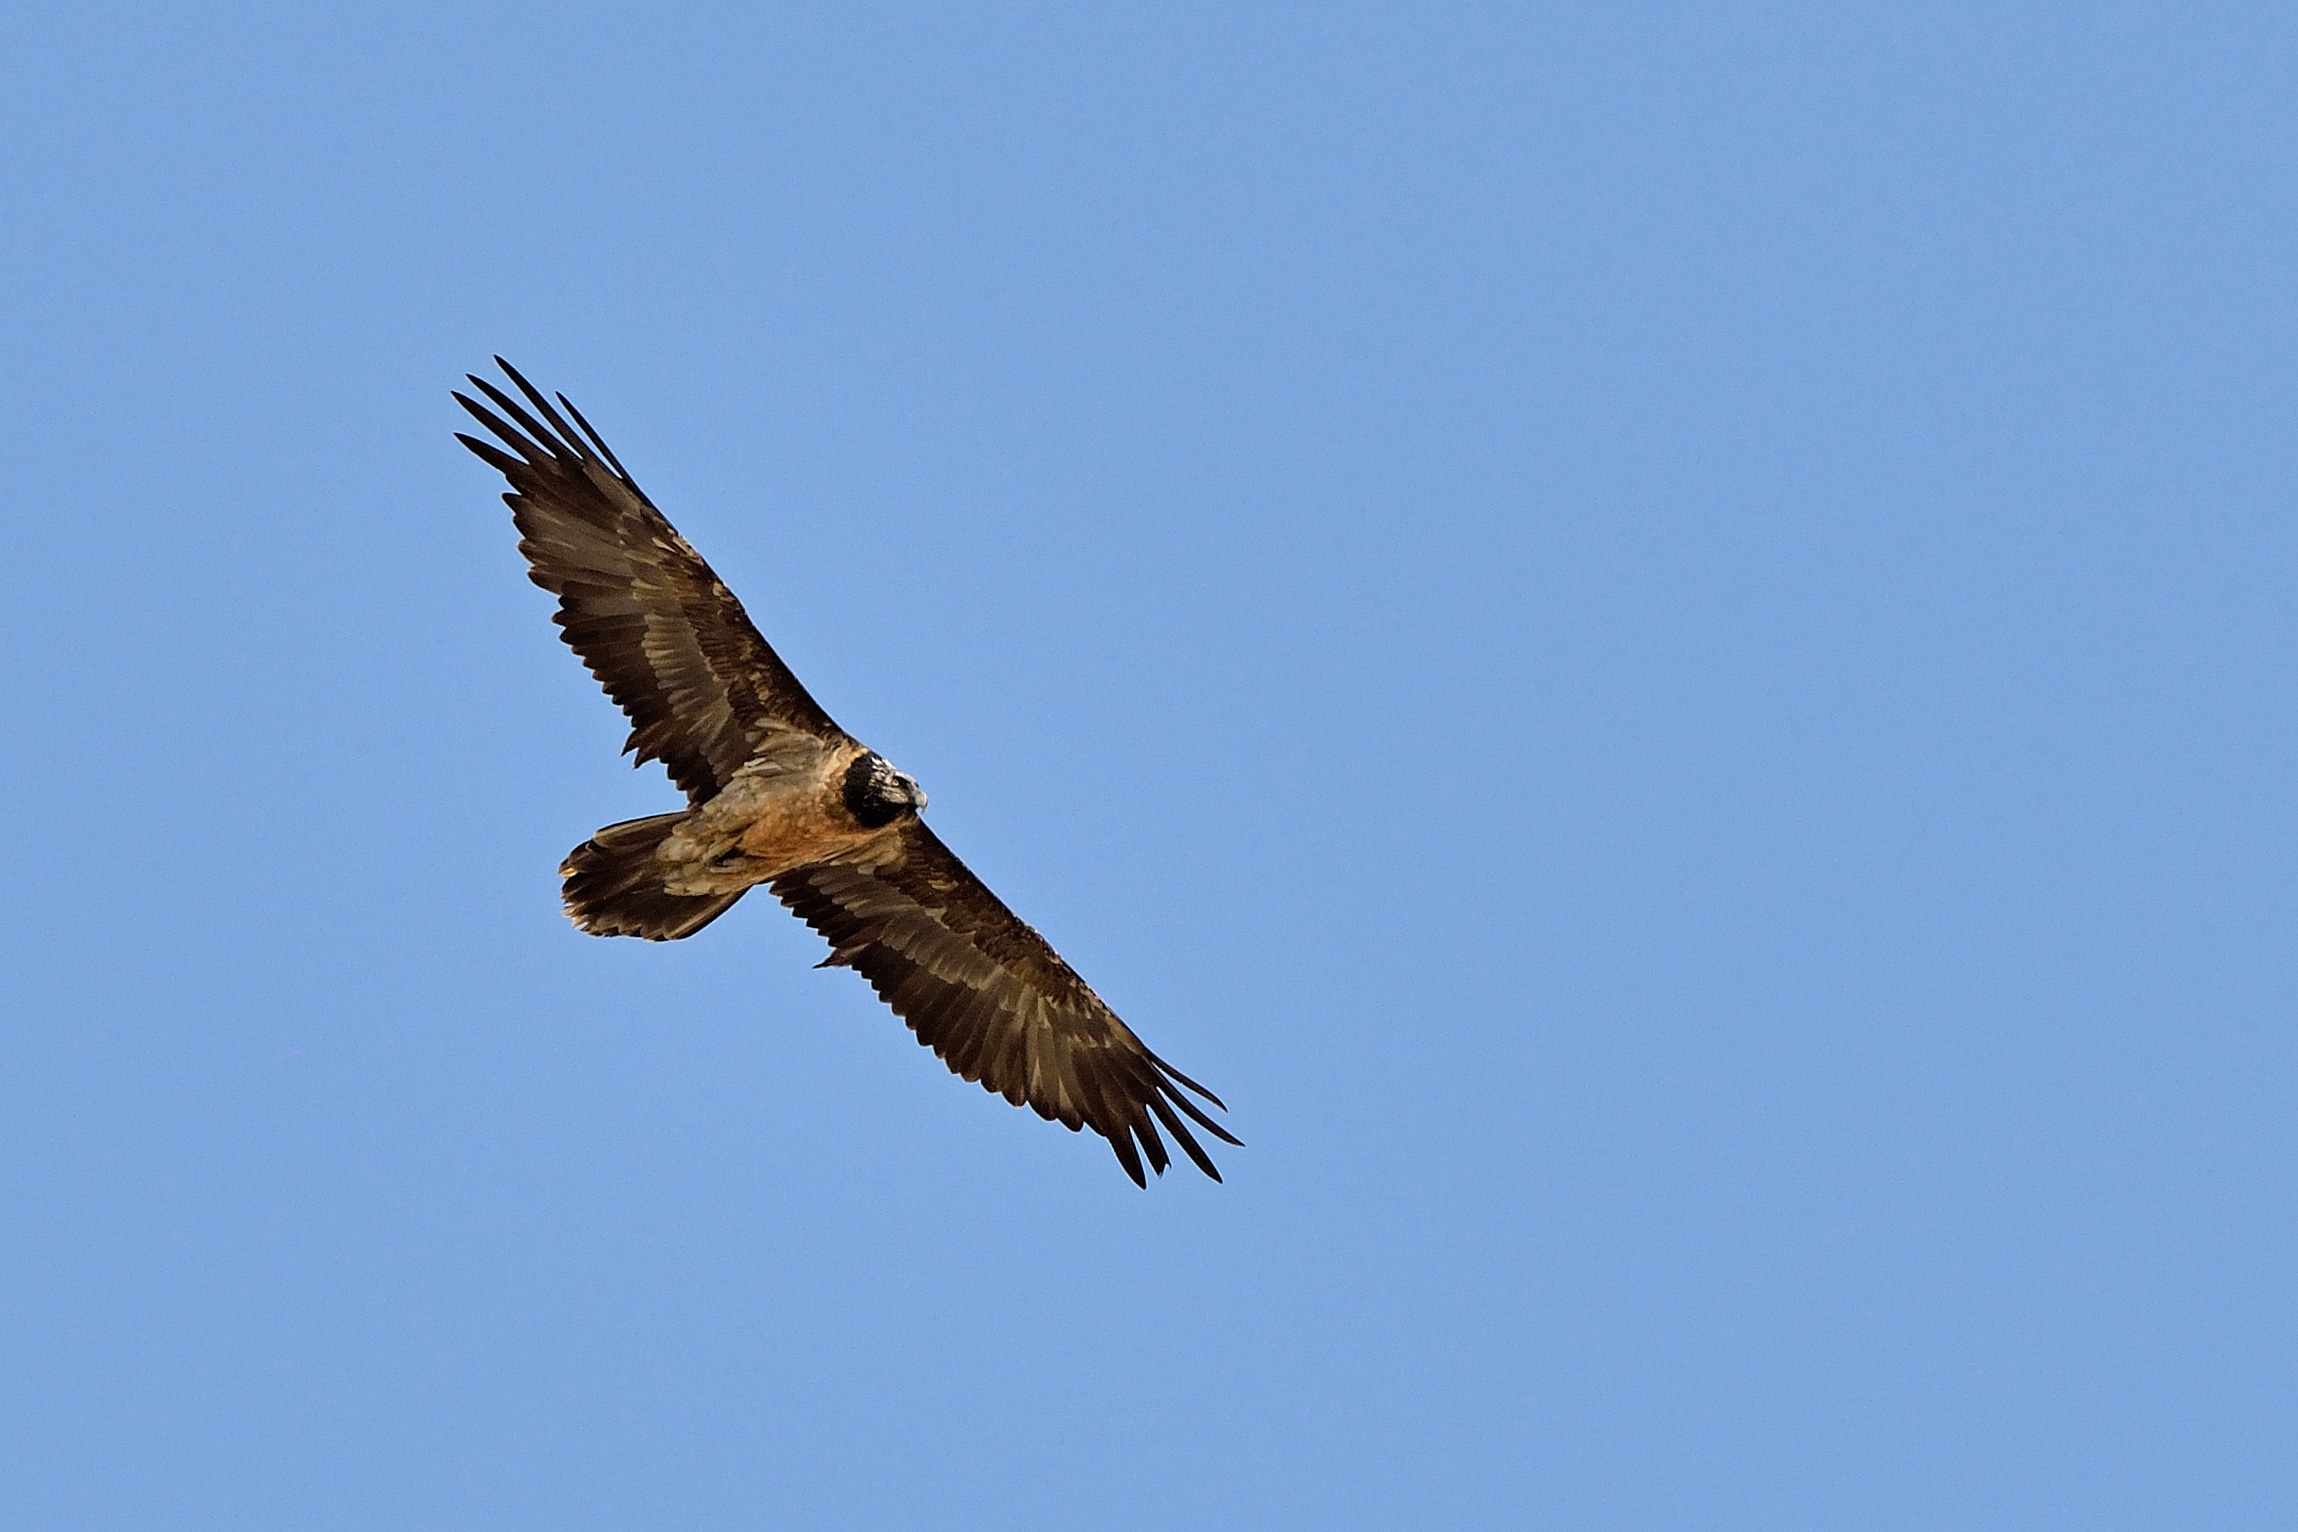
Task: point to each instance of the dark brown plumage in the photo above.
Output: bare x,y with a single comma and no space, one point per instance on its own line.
778,794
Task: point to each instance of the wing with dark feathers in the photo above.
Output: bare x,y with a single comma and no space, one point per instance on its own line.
993,999
663,634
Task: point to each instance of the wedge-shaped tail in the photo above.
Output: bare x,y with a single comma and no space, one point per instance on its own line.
614,885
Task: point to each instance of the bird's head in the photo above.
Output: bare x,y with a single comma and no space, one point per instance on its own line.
877,795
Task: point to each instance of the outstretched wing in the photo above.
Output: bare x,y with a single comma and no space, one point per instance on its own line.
663,634
992,998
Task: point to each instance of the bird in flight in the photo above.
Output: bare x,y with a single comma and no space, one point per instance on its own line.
778,794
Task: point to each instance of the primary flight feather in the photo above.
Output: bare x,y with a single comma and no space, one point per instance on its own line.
778,794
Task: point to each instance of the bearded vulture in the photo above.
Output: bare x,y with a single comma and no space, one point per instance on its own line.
778,794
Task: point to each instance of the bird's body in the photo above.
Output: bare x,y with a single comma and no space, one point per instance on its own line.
779,795
782,810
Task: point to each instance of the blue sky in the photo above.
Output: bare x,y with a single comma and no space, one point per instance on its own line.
1659,638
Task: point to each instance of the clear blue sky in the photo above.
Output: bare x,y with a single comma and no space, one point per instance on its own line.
1660,638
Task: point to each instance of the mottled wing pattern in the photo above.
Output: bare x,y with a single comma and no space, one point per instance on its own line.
992,998
662,633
